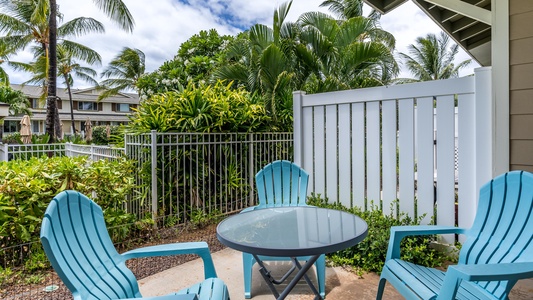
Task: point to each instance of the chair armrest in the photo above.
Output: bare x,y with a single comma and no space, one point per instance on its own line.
483,272
397,233
199,248
492,272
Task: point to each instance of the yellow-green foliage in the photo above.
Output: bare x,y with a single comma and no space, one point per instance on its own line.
28,186
206,108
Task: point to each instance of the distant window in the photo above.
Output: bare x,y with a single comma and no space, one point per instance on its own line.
88,106
123,107
37,103
35,126
10,126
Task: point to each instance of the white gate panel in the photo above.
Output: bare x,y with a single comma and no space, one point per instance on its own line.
446,163
332,183
319,158
466,161
358,154
406,142
373,153
307,145
389,154
425,168
344,155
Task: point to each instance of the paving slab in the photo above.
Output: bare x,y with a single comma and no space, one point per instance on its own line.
340,283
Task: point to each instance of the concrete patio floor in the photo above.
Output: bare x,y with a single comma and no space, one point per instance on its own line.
340,283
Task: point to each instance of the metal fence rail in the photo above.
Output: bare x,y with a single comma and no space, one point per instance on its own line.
181,177
186,176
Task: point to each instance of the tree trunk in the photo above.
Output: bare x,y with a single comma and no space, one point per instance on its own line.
52,74
71,106
57,123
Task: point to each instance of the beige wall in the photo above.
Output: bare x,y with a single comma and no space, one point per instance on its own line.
521,84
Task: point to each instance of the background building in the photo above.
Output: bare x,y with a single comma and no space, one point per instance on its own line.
110,111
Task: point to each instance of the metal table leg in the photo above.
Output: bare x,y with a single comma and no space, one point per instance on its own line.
302,270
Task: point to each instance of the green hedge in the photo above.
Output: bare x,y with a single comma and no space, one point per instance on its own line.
28,186
369,255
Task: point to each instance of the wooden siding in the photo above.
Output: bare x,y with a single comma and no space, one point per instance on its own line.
521,85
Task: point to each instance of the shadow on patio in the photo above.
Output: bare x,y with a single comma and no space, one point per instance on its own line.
340,283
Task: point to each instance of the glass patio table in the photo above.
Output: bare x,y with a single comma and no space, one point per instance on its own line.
291,232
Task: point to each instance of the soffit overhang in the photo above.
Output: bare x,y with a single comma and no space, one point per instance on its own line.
467,22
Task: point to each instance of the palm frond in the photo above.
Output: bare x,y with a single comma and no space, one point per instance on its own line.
261,36
81,52
117,11
279,18
80,26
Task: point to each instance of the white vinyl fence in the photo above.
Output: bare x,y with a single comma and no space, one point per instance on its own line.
95,152
27,151
397,144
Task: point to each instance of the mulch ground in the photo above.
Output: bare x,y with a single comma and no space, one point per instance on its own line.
19,288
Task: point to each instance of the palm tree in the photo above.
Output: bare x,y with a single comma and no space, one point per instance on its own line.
123,72
18,102
353,53
317,53
268,61
67,67
116,10
344,9
432,58
28,22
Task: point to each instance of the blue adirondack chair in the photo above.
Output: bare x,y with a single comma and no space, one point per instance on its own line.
281,183
76,242
497,252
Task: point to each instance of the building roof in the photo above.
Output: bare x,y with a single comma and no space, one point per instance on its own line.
467,22
89,94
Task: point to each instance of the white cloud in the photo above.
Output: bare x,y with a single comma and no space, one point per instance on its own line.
162,25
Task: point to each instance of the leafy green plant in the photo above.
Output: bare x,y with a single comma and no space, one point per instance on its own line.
201,219
100,134
34,278
202,108
28,186
369,255
196,59
12,138
37,260
5,275
118,224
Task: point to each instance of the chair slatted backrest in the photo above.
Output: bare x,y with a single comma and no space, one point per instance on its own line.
281,183
503,229
76,241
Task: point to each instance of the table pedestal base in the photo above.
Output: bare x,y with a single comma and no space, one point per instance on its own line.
302,270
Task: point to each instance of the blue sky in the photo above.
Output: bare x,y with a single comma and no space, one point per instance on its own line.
162,25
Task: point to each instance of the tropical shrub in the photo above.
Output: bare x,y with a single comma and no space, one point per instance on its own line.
29,185
16,138
18,102
203,108
196,59
100,134
369,255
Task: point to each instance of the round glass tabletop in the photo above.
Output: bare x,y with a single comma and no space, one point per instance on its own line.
292,231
